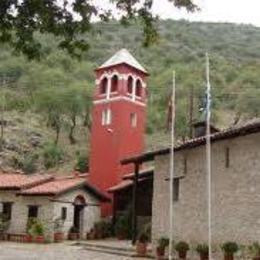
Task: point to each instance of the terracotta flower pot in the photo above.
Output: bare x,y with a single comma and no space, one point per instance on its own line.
141,249
73,236
39,239
27,238
204,256
229,257
121,236
182,254
160,252
58,237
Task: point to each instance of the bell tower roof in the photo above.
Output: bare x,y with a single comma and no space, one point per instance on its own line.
123,56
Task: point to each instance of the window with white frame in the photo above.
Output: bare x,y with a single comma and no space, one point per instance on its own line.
133,119
106,117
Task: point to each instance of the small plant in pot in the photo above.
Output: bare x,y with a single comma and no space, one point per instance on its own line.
73,233
255,251
163,242
122,228
182,248
229,249
58,230
203,251
141,245
37,231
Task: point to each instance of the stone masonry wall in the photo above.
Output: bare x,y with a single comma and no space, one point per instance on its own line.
235,193
49,211
91,214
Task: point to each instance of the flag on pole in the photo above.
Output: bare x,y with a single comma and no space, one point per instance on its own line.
208,153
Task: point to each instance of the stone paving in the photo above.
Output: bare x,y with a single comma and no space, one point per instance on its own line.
63,251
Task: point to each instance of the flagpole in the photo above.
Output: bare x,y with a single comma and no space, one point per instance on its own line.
172,167
208,154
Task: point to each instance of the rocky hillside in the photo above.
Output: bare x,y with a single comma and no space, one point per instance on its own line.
47,103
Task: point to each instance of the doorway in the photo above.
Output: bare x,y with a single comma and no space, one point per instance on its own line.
78,218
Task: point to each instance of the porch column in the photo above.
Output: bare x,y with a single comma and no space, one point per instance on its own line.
134,204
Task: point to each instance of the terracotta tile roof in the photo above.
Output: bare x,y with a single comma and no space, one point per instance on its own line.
125,184
15,181
54,187
47,185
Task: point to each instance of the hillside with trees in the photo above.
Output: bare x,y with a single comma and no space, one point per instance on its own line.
47,102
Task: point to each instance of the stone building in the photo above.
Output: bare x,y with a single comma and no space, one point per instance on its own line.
235,187
71,199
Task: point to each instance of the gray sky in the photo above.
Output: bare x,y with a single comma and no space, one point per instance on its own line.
235,11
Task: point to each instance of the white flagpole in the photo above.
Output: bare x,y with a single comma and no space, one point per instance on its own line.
172,168
208,155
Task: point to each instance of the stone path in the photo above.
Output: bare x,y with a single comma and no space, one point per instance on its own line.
66,251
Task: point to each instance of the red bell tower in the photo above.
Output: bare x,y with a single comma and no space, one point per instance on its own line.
119,114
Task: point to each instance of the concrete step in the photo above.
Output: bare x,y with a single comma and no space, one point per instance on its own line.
126,251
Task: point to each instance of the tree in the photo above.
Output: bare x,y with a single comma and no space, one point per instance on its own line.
74,105
21,20
50,102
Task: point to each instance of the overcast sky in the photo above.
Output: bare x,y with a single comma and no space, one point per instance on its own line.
235,11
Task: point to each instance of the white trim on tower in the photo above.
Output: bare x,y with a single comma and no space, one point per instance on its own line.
119,98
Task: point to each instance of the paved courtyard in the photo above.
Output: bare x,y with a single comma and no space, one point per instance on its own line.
66,251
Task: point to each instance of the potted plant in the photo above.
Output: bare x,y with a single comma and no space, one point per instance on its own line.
37,231
255,251
163,242
141,245
203,251
58,230
182,248
229,249
91,234
121,228
73,233
28,238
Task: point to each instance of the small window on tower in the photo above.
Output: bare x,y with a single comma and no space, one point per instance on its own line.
130,85
106,117
114,84
138,90
103,86
133,119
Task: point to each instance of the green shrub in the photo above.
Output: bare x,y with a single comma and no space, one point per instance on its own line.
104,227
82,163
73,229
52,155
202,249
123,226
35,228
255,249
230,247
28,163
163,242
182,246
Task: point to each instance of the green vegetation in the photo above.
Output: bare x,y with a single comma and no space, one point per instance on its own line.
67,20
54,94
230,248
52,155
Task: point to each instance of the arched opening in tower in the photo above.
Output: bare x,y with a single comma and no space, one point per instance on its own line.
114,83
